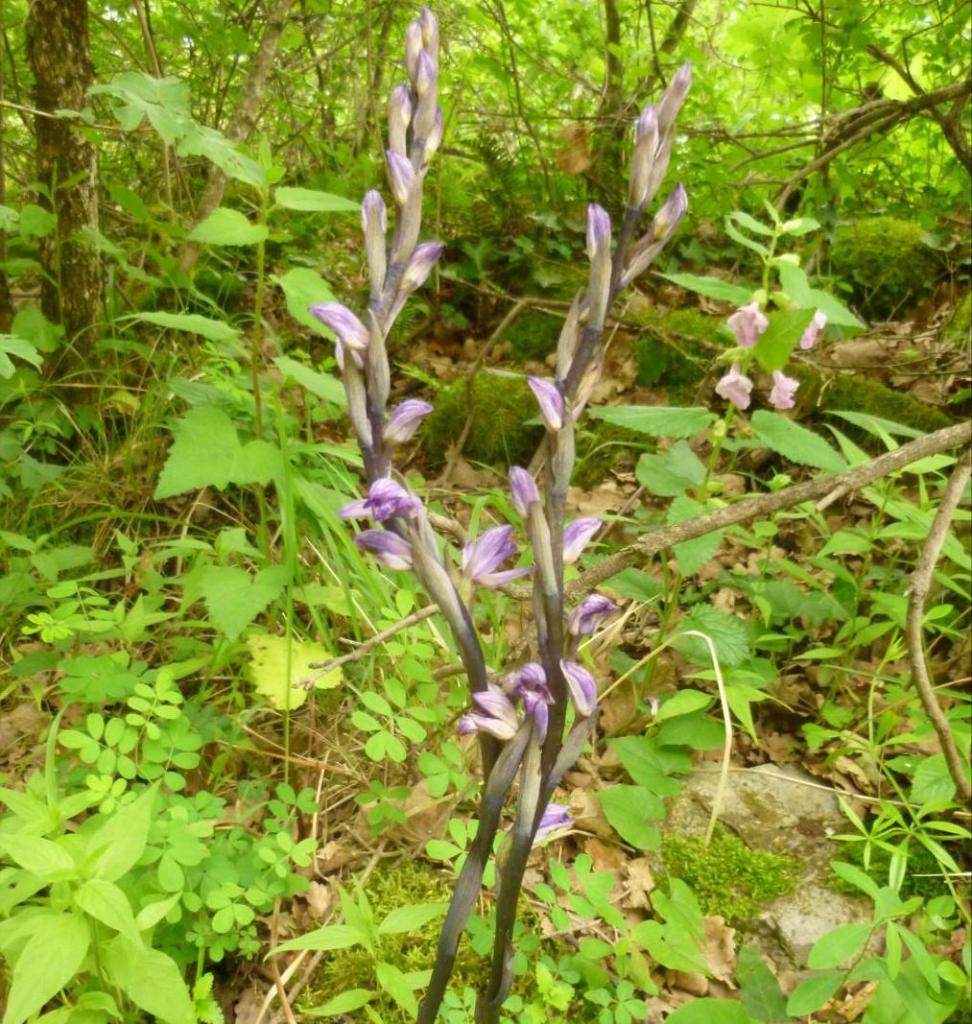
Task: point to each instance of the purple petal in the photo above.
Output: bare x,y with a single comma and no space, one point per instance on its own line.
351,331
816,325
483,556
576,536
499,579
523,490
356,510
585,617
530,676
783,395
391,550
387,499
420,265
425,73
598,229
555,816
551,401
537,709
405,420
748,323
582,687
735,387
401,174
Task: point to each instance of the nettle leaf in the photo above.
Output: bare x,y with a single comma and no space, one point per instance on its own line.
234,598
796,443
691,555
50,959
269,663
312,201
192,323
777,342
302,288
729,633
656,420
797,287
150,979
228,227
627,809
206,452
668,474
712,288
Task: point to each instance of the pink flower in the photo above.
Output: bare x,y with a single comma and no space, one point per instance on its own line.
735,387
783,395
816,325
748,323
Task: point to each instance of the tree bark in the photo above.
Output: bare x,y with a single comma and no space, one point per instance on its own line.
67,165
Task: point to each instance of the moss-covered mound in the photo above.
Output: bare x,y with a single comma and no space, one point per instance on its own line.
887,262
533,335
500,404
675,349
958,331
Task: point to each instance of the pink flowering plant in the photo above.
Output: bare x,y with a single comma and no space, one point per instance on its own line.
533,719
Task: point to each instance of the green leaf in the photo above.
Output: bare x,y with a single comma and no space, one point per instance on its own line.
206,452
670,473
410,919
638,756
729,634
854,876
13,345
712,288
192,323
120,841
794,442
683,702
312,201
711,1011
352,999
691,555
797,287
41,857
759,988
234,598
321,385
777,342
811,994
149,978
228,227
396,984
105,902
656,420
627,809
303,288
932,781
331,936
49,960
268,669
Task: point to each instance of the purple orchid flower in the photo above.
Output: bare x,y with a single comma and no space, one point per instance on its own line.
425,73
816,325
585,617
555,817
528,678
386,499
536,707
582,687
351,332
598,229
420,265
523,490
496,715
735,387
576,536
551,402
405,420
391,550
401,175
783,395
748,323
481,558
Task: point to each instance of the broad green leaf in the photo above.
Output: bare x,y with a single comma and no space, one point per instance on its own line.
627,809
797,287
777,342
396,984
234,597
695,730
35,221
759,988
795,442
268,669
712,288
691,555
228,227
813,993
838,946
637,755
932,780
321,385
410,919
105,902
729,633
331,936
50,959
671,946
303,288
656,420
312,201
711,1011
120,841
683,702
206,452
150,979
346,1002
856,877
192,323
12,345
41,857
670,473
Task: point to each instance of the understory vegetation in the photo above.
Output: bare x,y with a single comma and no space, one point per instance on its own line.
640,336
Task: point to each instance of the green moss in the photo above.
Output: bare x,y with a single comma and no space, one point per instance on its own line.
676,348
728,878
533,335
887,262
958,331
603,447
501,406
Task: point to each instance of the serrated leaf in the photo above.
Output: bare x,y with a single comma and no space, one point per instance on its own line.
729,634
303,288
234,598
269,663
794,442
313,201
191,323
12,345
668,474
228,227
797,287
656,420
712,288
781,337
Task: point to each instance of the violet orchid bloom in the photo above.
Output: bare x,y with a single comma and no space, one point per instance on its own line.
386,499
536,707
598,229
582,687
748,323
585,617
350,331
556,816
496,715
576,536
528,678
551,402
816,325
783,395
735,387
523,490
405,420
424,258
425,73
391,550
401,175
481,558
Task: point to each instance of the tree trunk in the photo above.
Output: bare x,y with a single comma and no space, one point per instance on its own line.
67,165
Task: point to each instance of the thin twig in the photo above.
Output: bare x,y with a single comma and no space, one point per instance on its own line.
920,585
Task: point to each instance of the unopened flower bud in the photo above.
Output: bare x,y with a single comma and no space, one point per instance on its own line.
425,74
550,400
424,258
413,47
401,175
673,97
523,490
434,139
582,687
430,32
374,224
598,230
399,118
391,550
576,536
405,420
351,332
643,158
667,218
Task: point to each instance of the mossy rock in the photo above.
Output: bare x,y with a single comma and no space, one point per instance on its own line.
728,877
501,406
887,262
676,348
958,330
533,335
